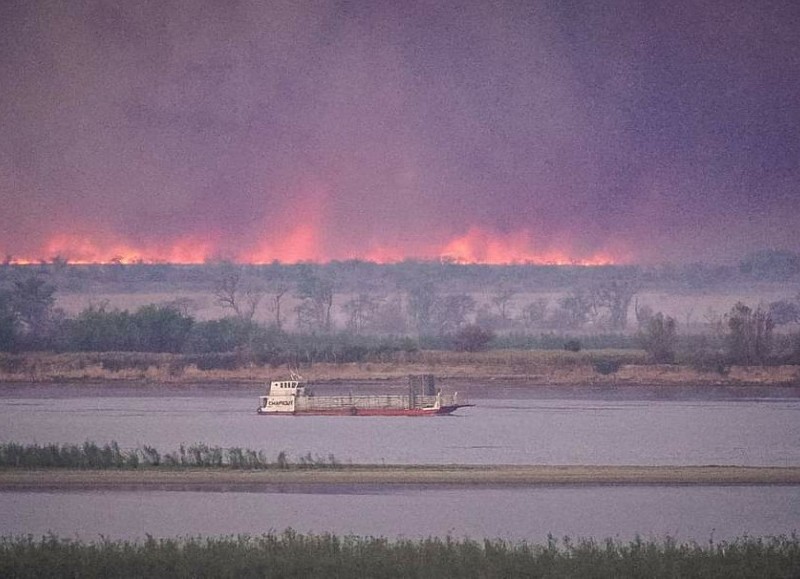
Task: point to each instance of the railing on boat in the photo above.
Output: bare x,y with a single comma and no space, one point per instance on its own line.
374,401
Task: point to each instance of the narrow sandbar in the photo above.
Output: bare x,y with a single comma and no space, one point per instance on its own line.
388,476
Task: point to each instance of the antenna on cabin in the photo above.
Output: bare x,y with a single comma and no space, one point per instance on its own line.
294,375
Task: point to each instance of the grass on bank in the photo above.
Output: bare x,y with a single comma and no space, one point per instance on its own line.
90,455
39,366
290,554
549,367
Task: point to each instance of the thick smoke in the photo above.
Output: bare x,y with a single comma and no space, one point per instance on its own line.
186,130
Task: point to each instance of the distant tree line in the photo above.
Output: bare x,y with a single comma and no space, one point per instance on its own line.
418,316
745,336
353,275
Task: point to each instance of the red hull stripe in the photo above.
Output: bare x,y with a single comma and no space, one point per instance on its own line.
353,411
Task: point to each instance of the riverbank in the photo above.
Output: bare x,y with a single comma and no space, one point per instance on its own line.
539,367
377,476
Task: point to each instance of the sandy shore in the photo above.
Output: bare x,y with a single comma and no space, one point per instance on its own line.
429,476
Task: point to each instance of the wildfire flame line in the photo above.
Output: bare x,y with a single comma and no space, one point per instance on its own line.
303,243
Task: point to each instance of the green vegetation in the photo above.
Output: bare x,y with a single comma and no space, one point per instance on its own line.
90,455
149,329
290,554
359,312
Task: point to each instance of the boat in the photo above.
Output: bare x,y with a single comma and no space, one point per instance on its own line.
294,397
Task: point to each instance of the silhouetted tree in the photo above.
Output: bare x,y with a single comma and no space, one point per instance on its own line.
235,291
389,317
451,311
316,293
659,338
535,313
277,296
32,299
643,315
360,312
573,310
8,323
422,300
616,296
749,337
502,299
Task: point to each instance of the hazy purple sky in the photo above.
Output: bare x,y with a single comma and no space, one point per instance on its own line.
641,130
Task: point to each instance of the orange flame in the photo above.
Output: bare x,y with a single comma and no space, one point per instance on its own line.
299,243
479,246
80,249
304,242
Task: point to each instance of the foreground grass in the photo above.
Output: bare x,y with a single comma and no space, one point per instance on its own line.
295,555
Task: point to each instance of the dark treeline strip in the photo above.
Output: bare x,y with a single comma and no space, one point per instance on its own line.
164,329
770,265
90,455
225,343
290,554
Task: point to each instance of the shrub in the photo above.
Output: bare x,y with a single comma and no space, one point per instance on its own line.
472,338
12,364
118,361
606,366
216,361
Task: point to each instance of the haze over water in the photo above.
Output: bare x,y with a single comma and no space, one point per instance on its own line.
544,426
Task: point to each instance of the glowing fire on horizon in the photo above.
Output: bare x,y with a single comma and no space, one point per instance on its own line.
304,243
480,246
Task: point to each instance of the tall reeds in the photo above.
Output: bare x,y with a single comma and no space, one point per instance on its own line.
290,554
90,455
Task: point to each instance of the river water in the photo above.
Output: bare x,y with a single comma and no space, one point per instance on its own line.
624,426
686,513
511,425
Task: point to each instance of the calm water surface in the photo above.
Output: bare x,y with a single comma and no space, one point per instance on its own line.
637,426
687,513
642,426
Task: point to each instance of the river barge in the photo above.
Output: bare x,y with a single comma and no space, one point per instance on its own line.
294,398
